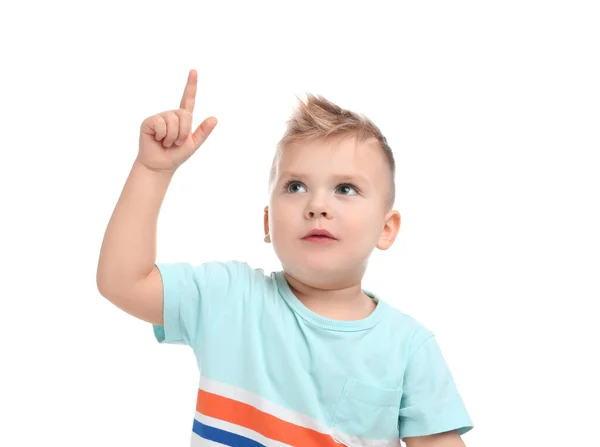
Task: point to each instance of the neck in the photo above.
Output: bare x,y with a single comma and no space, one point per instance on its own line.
344,302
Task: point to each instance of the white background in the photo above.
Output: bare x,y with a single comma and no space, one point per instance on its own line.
492,110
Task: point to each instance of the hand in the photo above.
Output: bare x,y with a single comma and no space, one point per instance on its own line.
166,140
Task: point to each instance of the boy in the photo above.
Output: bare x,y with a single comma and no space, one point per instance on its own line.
303,356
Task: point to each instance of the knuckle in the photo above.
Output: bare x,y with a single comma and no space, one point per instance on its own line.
160,127
172,127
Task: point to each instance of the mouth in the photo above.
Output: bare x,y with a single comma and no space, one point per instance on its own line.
319,238
319,232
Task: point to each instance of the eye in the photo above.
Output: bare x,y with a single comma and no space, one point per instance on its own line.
350,185
289,183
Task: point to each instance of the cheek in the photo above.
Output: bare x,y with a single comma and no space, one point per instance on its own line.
280,221
282,229
357,223
283,214
363,231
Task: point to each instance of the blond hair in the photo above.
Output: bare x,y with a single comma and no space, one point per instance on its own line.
319,118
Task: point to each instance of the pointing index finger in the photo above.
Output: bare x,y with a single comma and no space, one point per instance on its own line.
189,94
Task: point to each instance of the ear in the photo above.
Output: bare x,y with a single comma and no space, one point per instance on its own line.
266,224
390,230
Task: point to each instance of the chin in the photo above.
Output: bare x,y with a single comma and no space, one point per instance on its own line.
315,266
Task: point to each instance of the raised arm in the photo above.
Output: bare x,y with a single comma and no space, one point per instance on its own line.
127,275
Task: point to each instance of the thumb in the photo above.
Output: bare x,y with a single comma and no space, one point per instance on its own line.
203,131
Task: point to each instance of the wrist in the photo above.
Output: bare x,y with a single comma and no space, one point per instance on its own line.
138,164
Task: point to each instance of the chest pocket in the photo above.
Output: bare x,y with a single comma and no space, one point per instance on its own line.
367,416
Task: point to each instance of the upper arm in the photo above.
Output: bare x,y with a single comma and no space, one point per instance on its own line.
446,439
143,299
430,401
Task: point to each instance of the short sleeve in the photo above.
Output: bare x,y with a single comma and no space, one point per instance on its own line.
430,401
195,296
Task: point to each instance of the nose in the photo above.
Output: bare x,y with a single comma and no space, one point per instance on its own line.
311,214
318,206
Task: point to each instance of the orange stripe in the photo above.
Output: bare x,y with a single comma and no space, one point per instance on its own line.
266,424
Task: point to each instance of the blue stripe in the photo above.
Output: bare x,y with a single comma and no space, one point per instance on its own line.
222,436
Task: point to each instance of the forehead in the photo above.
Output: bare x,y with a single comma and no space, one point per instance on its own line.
338,156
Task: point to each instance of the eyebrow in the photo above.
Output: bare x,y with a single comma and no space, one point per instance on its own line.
338,177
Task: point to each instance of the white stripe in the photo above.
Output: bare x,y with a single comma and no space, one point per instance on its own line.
236,429
354,441
199,441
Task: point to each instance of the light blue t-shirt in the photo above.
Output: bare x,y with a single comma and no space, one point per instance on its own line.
275,373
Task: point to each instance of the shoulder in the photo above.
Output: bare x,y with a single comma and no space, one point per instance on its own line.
251,273
236,269
410,326
249,280
405,329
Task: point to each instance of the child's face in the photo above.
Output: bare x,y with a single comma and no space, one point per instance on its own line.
321,196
